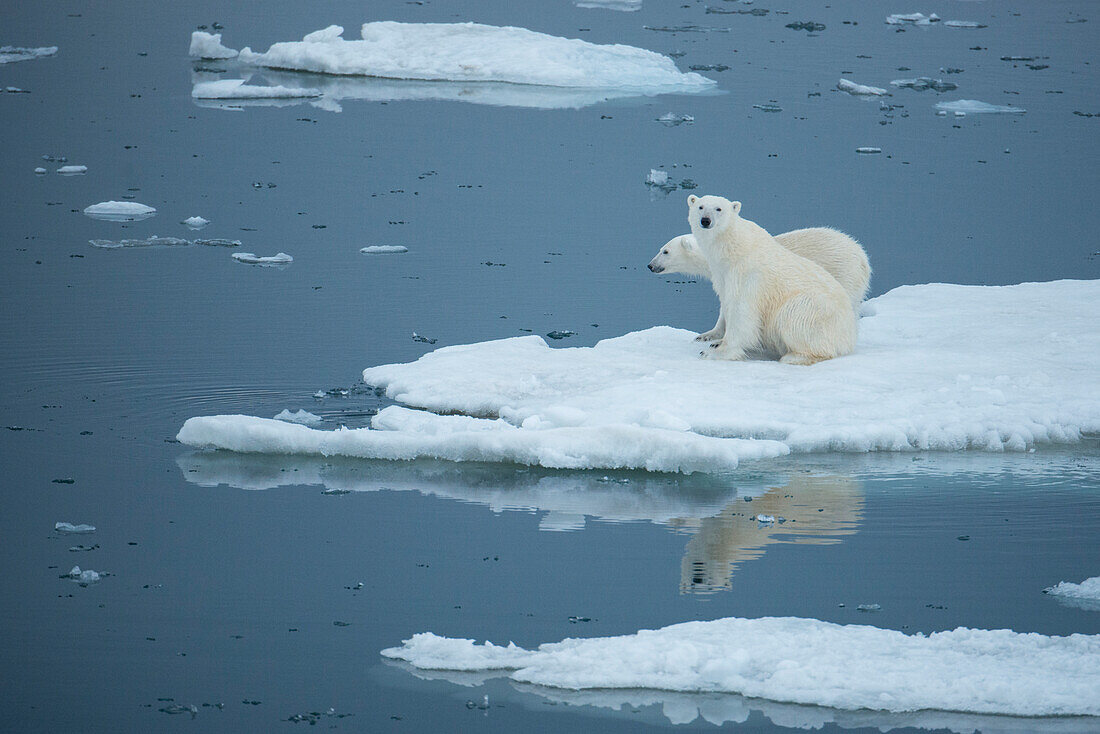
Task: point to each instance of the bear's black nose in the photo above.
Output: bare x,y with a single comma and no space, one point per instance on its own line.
705,222
654,268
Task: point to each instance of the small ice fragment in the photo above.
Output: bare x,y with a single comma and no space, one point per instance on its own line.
11,54
68,527
974,106
195,222
319,395
806,25
851,87
247,257
209,46
40,170
914,18
625,6
561,334
868,150
1085,595
179,708
671,119
72,170
238,89
869,607
119,211
16,90
299,416
962,24
423,339
767,107
656,177
218,242
960,113
383,249
83,577
153,241
922,83
765,518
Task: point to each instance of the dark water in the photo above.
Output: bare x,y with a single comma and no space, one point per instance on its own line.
221,595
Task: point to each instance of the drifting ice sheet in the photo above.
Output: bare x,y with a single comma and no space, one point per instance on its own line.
846,85
247,257
475,52
627,6
805,661
383,249
119,211
973,106
237,89
11,54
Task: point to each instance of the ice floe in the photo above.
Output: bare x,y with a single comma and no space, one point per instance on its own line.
973,106
846,85
83,577
303,417
68,527
195,222
1085,595
41,171
72,170
471,52
656,177
805,661
247,257
671,119
867,149
239,89
962,24
119,211
626,6
912,18
153,241
925,82
209,46
11,54
383,249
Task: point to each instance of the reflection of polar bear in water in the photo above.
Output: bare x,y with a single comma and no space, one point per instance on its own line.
840,255
816,510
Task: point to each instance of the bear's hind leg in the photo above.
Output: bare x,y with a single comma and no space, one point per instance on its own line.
798,358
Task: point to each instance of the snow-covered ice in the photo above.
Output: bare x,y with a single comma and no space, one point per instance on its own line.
195,222
72,170
846,85
474,52
626,6
912,18
120,211
303,417
1019,371
973,106
383,249
68,527
805,661
1085,594
238,89
85,577
11,54
247,257
209,46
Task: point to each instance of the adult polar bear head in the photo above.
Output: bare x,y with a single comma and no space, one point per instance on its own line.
711,212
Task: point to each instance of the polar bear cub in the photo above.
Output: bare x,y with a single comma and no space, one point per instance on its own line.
840,255
770,298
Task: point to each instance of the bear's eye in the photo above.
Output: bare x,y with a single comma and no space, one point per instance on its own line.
664,252
719,209
700,208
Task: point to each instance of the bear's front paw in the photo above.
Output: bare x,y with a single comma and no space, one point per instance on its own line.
719,350
708,336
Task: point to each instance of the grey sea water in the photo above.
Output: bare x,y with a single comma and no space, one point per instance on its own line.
234,581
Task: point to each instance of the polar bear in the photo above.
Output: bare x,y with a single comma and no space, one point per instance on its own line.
770,298
840,255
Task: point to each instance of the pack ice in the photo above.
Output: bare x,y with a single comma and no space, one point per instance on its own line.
473,52
805,661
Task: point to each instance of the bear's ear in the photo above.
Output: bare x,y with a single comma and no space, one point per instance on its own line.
692,199
735,206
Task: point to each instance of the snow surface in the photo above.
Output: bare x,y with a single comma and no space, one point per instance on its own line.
475,52
209,46
851,87
195,222
247,257
72,170
68,527
303,417
805,661
11,54
383,249
238,89
119,211
1020,370
965,106
1085,594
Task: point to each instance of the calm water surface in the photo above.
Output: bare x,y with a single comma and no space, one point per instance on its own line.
235,579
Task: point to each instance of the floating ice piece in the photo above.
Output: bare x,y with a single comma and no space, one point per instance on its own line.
237,89
68,527
120,211
11,54
765,518
217,242
626,6
767,107
868,150
153,241
84,577
195,222
869,608
72,170
913,18
474,52
247,257
656,177
805,661
383,249
209,46
963,24
973,106
1085,595
303,417
40,171
925,82
851,87
671,119
16,90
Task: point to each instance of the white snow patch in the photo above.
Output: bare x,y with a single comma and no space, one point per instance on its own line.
805,661
120,211
209,46
912,18
383,249
247,257
846,85
1085,594
965,106
68,527
11,54
72,170
195,222
626,6
238,89
303,417
85,577
473,52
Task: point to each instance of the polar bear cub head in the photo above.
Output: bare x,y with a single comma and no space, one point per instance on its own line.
711,212
680,255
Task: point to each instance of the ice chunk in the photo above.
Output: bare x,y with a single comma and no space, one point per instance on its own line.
868,149
11,54
671,119
72,170
1085,595
913,18
195,222
973,106
68,527
209,46
626,6
40,170
925,82
806,661
238,89
869,608
218,242
120,211
303,417
656,177
85,577
247,257
765,518
962,24
153,241
383,249
846,85
474,52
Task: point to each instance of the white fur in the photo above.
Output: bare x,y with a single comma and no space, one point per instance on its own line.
770,298
840,255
